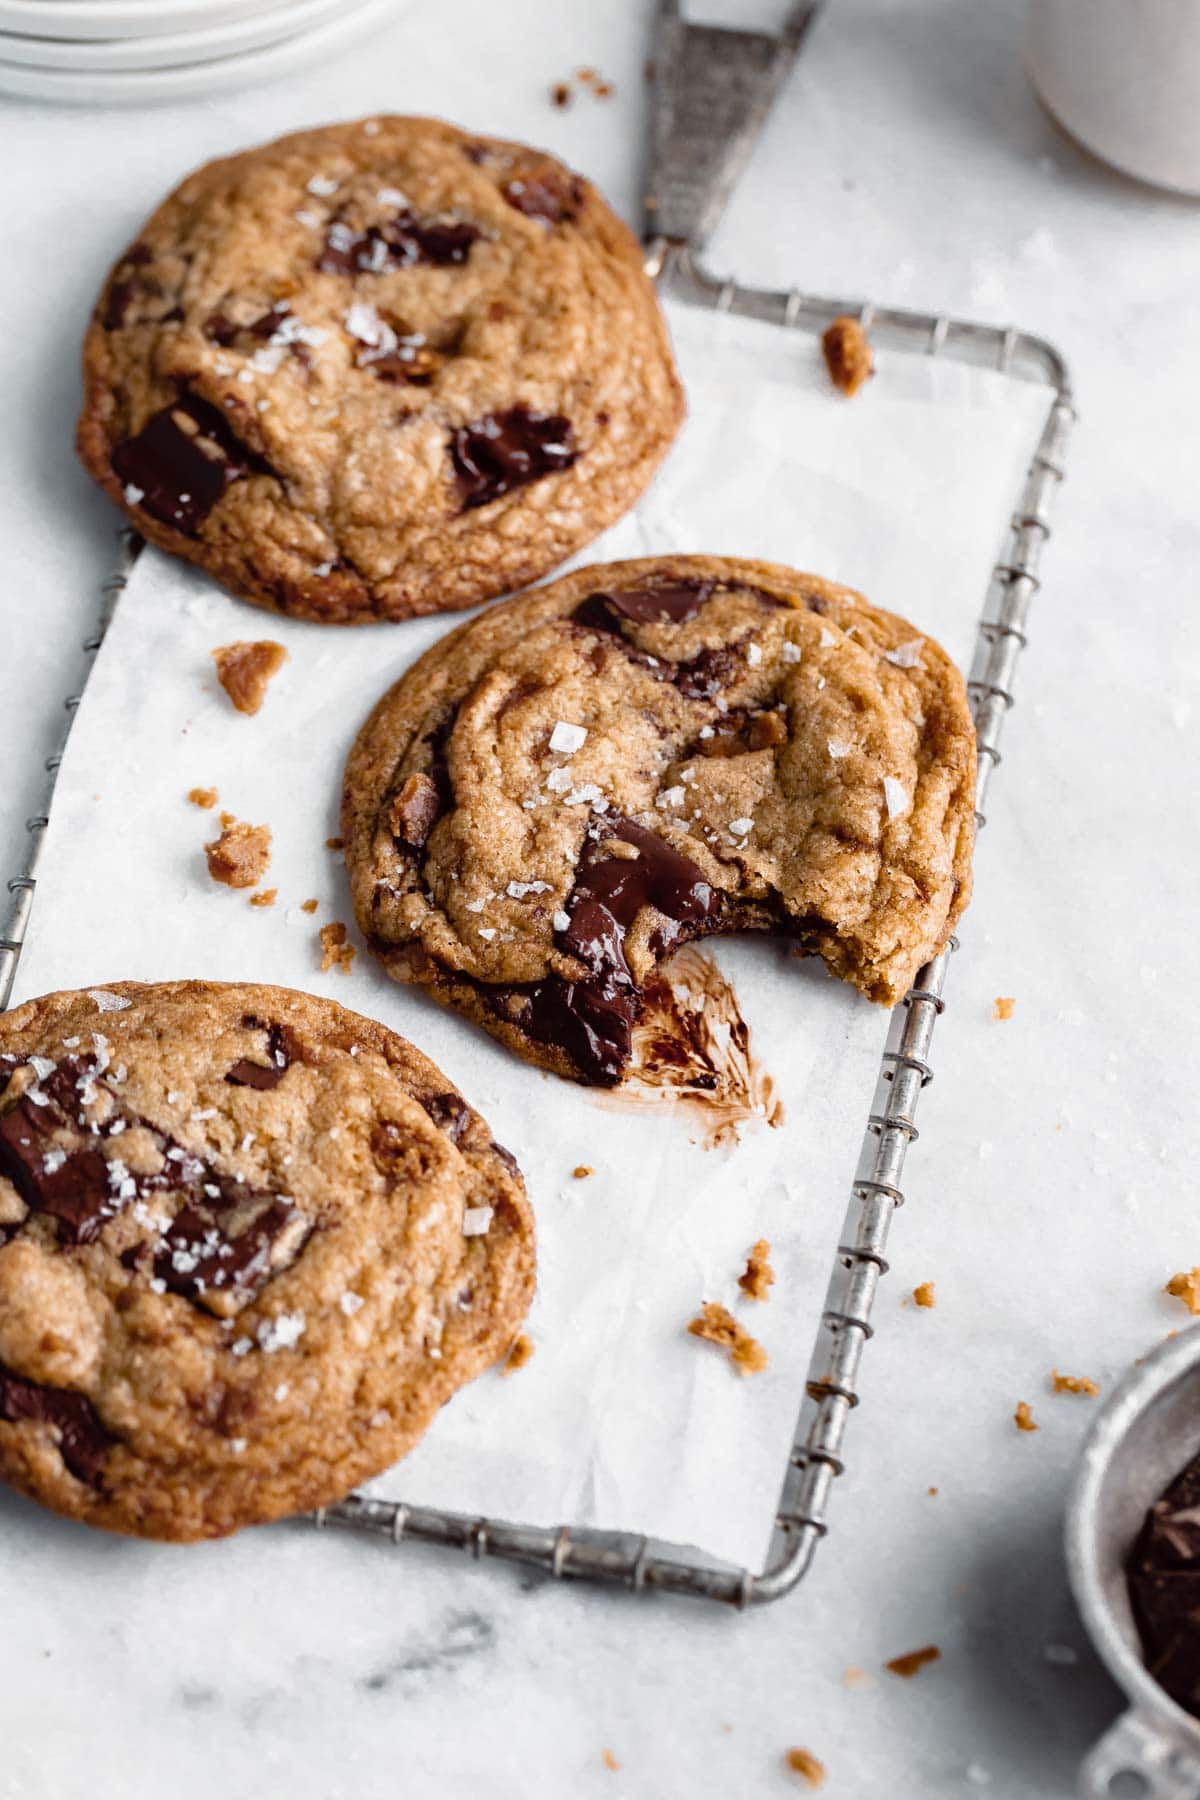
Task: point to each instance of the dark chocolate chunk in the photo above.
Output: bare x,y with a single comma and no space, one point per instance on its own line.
593,1019
550,197
83,1443
245,1073
507,450
668,602
73,1188
403,241
195,1256
126,288
449,1112
1163,1572
415,810
181,461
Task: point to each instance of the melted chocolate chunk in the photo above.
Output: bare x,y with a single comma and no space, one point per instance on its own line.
449,1112
83,1443
195,1257
73,1188
507,450
245,1073
126,288
593,1019
667,603
1163,1572
414,811
402,242
182,460
282,1051
550,197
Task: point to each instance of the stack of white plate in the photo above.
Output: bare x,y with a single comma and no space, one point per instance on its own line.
113,51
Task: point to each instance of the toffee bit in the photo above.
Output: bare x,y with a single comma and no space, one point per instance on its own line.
758,1276
1002,1007
1073,1384
336,953
847,354
241,856
717,1325
923,1294
912,1662
803,1763
205,798
519,1355
1186,1287
244,670
1023,1417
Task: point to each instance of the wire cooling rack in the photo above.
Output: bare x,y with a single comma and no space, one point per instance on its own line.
717,85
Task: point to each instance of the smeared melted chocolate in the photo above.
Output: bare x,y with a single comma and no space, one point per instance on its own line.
195,1256
667,602
553,198
1163,1572
402,242
182,460
508,450
83,1443
592,1019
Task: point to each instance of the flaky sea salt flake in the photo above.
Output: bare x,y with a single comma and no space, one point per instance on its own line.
896,797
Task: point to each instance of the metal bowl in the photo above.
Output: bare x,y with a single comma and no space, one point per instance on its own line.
1144,1435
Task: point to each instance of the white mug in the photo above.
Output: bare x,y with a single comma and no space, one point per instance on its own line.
1123,77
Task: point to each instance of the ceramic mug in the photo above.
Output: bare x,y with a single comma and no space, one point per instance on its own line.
1123,77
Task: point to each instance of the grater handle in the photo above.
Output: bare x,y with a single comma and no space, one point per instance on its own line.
713,89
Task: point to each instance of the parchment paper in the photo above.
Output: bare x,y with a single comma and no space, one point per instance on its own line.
621,1420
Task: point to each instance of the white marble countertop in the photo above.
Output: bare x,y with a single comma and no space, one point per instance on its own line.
908,160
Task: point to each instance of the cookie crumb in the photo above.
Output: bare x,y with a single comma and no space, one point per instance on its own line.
912,1662
206,798
309,906
241,856
581,1171
1186,1287
245,669
336,953
1073,1384
757,1277
609,1760
265,897
560,94
717,1325
806,1765
932,1492
923,1294
335,843
854,1677
847,354
519,1355
1023,1417
1002,1007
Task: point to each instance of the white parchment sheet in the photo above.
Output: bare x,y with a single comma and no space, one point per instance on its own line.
620,1420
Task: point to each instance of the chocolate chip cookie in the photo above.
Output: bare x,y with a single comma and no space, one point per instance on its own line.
378,369
562,791
249,1244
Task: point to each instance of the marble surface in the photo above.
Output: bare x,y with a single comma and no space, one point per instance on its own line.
909,161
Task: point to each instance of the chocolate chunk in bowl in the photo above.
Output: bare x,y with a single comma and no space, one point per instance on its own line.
250,1243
